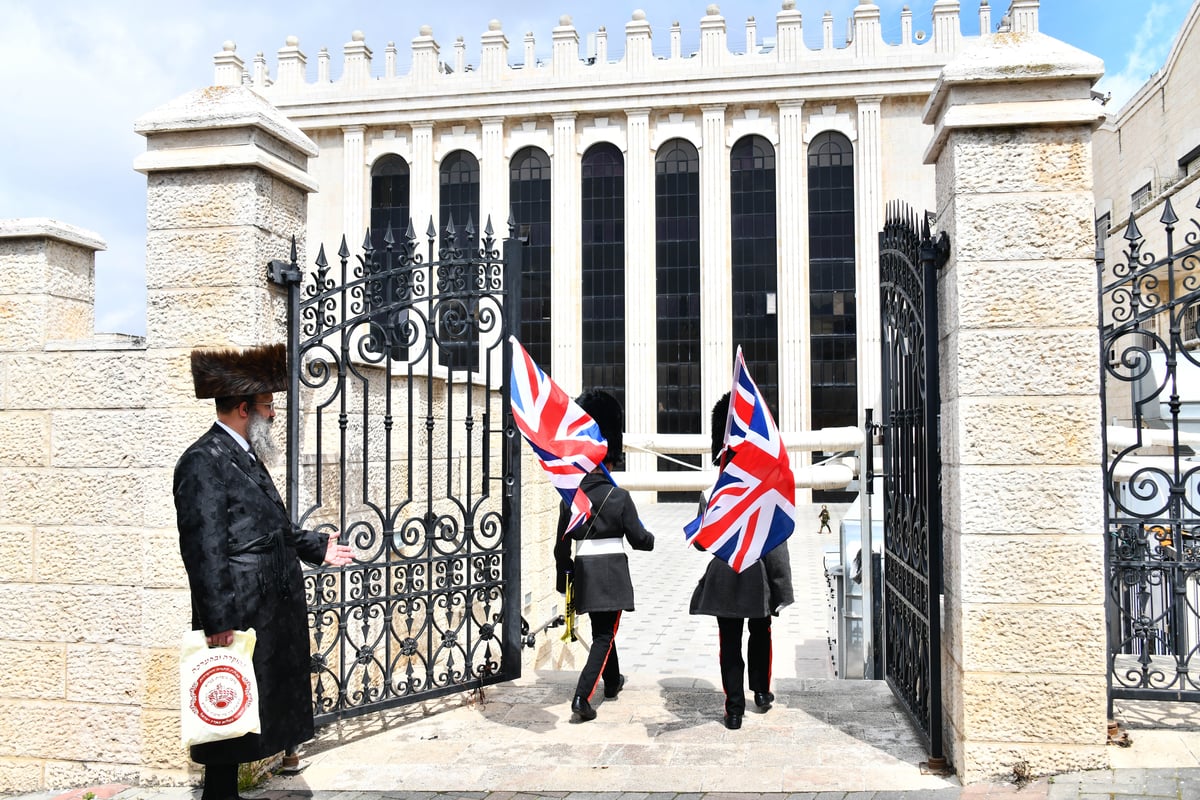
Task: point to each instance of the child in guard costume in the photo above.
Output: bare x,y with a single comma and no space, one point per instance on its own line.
754,595
599,571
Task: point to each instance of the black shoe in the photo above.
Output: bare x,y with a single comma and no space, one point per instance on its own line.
583,709
733,721
611,693
763,700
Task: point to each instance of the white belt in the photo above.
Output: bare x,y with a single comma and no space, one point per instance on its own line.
599,547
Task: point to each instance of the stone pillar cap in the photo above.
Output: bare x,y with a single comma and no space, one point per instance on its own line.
224,107
46,228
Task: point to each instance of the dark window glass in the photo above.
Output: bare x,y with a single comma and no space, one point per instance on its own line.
677,292
389,200
753,262
602,192
832,316
529,199
389,212
458,201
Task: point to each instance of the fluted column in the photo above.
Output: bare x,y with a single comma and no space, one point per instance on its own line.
423,183
354,197
716,293
641,384
566,329
493,177
868,220
791,231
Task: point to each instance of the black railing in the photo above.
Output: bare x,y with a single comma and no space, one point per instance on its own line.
400,439
1150,401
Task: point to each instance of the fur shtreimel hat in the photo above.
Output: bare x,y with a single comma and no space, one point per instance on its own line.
720,413
230,372
606,410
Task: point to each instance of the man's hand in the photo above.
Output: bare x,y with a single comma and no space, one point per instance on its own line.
223,639
337,555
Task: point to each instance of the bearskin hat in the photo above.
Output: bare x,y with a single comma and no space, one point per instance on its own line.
720,413
606,410
230,372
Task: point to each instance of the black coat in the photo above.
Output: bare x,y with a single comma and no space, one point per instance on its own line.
600,582
240,548
758,591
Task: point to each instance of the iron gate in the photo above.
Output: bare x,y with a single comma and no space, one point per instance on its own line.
1150,372
909,258
399,437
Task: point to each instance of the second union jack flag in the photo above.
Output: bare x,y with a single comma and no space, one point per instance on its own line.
565,439
752,508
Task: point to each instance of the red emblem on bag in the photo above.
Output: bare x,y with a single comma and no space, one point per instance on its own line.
220,695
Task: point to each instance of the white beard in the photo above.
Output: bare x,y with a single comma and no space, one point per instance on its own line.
258,433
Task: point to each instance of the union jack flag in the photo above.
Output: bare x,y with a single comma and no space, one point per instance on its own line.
565,439
752,508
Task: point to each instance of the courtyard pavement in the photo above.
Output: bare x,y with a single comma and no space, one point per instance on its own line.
662,739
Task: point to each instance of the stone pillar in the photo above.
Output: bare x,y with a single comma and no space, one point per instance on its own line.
565,49
868,36
791,226
641,385
291,66
354,189
493,58
228,187
493,179
716,293
423,181
48,289
639,55
714,51
356,67
1024,649
566,325
789,34
868,221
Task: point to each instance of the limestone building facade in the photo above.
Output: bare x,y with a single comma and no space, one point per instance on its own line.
680,204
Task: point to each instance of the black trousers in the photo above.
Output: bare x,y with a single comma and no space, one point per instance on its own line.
602,657
733,668
220,782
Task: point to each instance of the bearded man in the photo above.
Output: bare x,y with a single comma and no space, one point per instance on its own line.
240,549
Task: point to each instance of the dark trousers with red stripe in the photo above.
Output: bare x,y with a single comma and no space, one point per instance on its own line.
734,669
602,658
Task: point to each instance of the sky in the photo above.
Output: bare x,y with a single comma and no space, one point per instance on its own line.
80,72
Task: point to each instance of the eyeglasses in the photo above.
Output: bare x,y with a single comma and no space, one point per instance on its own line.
270,405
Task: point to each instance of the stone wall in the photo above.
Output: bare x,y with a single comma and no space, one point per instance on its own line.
1024,668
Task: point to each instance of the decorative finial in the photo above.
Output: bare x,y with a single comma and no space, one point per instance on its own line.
789,5
229,46
639,14
427,30
292,41
713,10
564,20
357,36
494,25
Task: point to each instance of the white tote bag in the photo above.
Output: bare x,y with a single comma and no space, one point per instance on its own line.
218,694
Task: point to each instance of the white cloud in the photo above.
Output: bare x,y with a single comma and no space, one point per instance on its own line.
1147,52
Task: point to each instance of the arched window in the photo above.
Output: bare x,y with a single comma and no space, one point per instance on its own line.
602,192
529,199
389,200
458,201
753,262
831,284
677,277
389,211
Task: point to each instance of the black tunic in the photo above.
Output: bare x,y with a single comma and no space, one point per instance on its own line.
601,582
240,548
